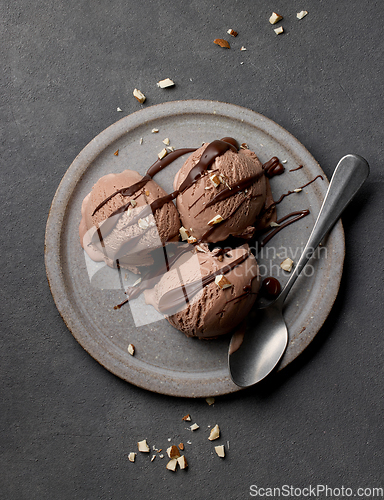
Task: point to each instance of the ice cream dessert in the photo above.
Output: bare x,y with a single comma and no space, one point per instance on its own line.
207,293
230,197
114,227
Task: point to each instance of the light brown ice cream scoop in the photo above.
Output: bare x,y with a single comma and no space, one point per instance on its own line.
109,237
213,208
207,294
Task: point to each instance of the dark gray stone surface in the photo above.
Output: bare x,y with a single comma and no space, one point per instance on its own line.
66,423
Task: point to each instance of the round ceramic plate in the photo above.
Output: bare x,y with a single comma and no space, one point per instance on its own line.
165,360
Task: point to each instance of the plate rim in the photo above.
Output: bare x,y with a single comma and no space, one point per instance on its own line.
52,252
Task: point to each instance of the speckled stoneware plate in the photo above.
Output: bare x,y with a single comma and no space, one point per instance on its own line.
165,360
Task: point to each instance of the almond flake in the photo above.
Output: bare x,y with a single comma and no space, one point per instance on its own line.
119,109
220,451
153,458
194,427
187,417
279,30
287,264
301,14
143,224
215,433
243,48
215,180
274,224
133,203
162,154
143,446
216,220
223,43
192,239
173,452
172,464
210,401
182,461
154,130
297,190
131,349
170,149
232,32
166,141
132,456
139,96
222,282
184,233
275,18
167,82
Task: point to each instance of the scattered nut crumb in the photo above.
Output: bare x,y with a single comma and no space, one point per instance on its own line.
143,223
297,190
284,161
222,282
143,446
189,442
301,14
192,239
173,452
154,130
162,154
166,141
200,249
279,30
216,220
243,48
181,446
133,203
220,258
287,264
139,96
170,149
184,233
187,417
244,145
182,461
172,464
194,427
132,456
220,451
232,32
169,440
210,401
116,153
223,43
161,456
274,224
275,18
215,180
131,349
215,433
119,109
153,458
167,82
141,140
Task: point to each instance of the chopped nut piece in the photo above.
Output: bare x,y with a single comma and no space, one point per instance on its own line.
170,148
153,458
297,190
154,130
232,32
161,456
243,48
287,264
173,452
192,239
223,43
166,141
141,140
172,464
181,446
200,249
222,282
284,161
132,456
187,417
184,233
119,109
279,30
163,84
220,451
215,433
146,194
133,203
216,219
210,401
143,223
215,180
244,146
220,258
116,153
139,96
131,349
143,446
194,427
162,153
182,461
275,18
301,14
137,282
274,224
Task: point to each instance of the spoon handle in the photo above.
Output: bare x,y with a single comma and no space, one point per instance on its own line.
348,177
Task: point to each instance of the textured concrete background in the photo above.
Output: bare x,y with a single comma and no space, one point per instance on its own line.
66,423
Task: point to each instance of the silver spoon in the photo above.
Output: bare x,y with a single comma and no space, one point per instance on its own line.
264,344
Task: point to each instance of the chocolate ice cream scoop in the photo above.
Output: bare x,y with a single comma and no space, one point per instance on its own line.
209,293
106,229
231,197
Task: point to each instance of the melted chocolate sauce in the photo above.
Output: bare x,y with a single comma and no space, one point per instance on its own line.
273,167
295,216
291,192
270,287
298,168
234,189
